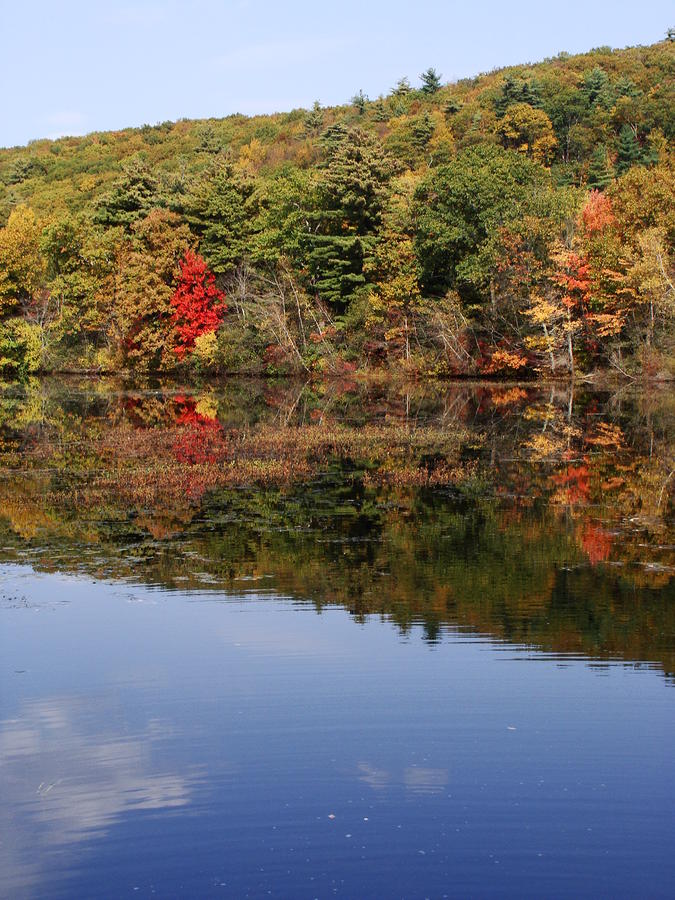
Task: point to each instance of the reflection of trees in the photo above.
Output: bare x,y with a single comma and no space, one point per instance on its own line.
534,516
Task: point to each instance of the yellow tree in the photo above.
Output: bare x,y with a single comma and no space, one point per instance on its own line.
529,131
395,299
21,264
642,202
147,273
651,275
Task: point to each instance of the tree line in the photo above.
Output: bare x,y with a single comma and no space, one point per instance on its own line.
517,223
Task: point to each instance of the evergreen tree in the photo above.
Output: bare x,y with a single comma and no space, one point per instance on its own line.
422,129
209,141
626,87
599,173
628,151
333,136
314,119
380,111
349,203
452,106
131,197
431,81
402,88
516,90
596,87
530,94
359,101
217,212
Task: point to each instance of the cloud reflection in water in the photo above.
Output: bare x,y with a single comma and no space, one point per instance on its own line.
64,779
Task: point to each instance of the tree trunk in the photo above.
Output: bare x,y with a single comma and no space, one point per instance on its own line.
550,348
570,352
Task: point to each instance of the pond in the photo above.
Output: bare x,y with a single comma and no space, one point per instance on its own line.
336,639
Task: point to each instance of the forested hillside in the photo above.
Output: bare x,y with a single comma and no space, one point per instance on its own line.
517,223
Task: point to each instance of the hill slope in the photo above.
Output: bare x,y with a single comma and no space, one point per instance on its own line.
447,226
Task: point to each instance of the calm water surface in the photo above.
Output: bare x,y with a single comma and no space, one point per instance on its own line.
308,641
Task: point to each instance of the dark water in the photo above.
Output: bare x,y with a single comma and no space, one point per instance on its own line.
316,640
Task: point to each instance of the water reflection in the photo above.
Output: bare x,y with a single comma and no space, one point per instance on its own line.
542,517
66,778
180,721
207,743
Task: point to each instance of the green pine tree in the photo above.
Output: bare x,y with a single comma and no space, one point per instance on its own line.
314,119
422,128
516,90
402,88
628,150
350,198
431,81
359,101
452,106
596,88
216,210
131,197
599,173
380,111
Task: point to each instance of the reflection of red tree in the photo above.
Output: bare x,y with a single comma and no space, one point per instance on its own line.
202,439
575,481
596,543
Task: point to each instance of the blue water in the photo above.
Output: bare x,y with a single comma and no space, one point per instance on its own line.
156,743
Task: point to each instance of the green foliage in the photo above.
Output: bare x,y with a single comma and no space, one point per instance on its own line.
349,197
422,129
599,172
20,348
460,208
431,81
596,88
25,167
360,101
628,150
327,260
314,119
217,211
81,268
131,197
452,106
516,90
281,225
209,141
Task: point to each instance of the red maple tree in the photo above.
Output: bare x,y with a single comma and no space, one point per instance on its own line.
198,304
597,214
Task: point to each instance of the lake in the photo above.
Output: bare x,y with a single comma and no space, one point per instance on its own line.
336,639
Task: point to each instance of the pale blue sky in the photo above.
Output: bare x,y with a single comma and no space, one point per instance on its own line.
74,67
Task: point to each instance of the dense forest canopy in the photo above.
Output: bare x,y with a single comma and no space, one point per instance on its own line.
516,223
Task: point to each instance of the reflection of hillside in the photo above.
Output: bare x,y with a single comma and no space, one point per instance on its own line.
512,512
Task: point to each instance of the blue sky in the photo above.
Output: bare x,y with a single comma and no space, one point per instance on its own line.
75,67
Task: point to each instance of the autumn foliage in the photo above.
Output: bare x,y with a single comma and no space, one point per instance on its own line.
597,213
198,304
